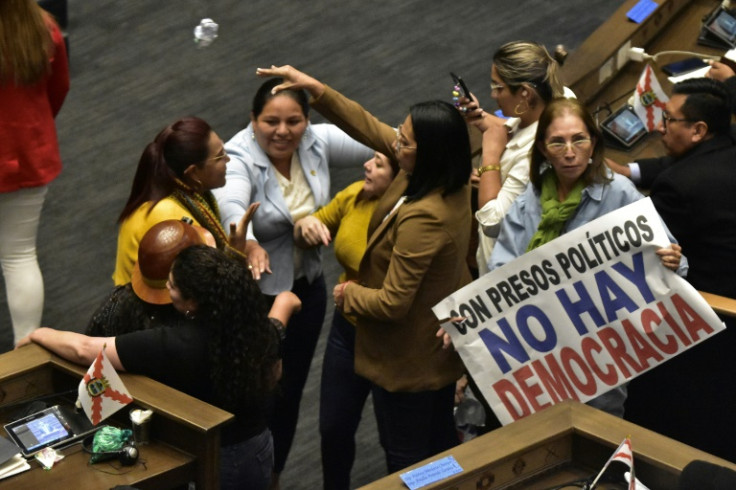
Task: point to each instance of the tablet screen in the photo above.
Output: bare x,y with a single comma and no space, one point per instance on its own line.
723,25
41,432
49,427
625,126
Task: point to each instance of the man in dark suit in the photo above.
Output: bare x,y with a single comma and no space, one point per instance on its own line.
694,186
691,397
695,191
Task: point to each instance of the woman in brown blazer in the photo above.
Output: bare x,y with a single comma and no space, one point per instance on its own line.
418,240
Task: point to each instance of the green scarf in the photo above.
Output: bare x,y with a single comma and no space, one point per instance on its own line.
554,213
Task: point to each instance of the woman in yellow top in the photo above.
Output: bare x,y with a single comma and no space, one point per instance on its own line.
342,392
174,178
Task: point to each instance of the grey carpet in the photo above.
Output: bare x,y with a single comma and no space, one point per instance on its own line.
135,69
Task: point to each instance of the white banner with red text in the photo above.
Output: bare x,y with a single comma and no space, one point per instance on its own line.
577,316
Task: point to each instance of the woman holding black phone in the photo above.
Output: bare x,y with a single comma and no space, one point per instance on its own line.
524,79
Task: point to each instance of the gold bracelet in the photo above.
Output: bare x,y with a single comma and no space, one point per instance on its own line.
487,168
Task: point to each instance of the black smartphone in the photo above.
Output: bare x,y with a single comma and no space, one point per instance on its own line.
683,66
459,81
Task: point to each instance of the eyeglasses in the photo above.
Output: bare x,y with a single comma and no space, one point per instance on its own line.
559,148
666,119
219,156
400,146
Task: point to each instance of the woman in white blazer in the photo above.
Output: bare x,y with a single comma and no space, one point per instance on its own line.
283,162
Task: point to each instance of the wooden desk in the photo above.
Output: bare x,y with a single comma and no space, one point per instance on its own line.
185,432
720,304
557,445
673,26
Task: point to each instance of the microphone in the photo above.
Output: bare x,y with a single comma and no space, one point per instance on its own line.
701,475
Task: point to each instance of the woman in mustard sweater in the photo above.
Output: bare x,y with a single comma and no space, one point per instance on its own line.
343,393
174,179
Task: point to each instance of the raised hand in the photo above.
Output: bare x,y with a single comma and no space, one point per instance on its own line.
293,79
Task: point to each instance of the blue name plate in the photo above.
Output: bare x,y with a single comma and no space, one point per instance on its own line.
431,472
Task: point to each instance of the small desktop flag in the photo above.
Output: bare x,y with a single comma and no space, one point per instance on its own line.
101,392
649,99
624,454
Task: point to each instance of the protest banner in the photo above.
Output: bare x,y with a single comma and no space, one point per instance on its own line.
577,316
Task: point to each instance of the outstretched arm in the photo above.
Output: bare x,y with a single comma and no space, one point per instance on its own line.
618,168
346,114
75,347
293,79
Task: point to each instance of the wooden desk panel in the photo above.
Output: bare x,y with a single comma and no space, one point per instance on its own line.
720,304
559,444
185,431
159,466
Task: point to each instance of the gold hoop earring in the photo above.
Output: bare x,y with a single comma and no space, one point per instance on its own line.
520,112
197,184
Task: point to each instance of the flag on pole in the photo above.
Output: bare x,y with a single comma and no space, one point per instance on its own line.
649,99
101,392
624,454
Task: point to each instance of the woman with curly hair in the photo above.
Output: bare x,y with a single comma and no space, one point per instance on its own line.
228,333
34,81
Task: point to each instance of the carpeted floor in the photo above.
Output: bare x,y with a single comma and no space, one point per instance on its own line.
135,68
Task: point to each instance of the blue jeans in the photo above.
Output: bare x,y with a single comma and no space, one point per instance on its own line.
342,396
247,465
302,334
414,426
